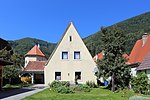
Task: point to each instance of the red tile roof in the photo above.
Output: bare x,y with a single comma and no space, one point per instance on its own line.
145,64
35,66
35,51
100,56
139,52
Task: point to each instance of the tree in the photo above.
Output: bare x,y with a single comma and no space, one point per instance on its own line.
11,71
113,63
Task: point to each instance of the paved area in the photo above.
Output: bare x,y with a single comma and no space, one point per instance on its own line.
18,94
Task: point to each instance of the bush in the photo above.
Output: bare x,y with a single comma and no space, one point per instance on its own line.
140,83
56,84
91,84
83,88
64,89
61,86
65,83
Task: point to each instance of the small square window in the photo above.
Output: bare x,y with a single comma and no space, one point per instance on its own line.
78,75
57,75
64,55
77,55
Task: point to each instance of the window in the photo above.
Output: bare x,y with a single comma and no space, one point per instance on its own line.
77,55
57,75
64,55
70,38
78,75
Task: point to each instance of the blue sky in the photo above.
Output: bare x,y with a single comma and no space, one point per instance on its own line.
48,19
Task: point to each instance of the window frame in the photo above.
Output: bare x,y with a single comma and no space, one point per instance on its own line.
56,76
80,77
62,56
74,57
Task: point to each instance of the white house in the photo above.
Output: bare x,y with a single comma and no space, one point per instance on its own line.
70,59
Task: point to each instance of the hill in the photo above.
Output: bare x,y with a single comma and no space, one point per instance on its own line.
133,28
22,46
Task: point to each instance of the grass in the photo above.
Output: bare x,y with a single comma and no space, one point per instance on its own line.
9,86
95,94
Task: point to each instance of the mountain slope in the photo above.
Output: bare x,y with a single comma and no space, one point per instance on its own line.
22,46
133,27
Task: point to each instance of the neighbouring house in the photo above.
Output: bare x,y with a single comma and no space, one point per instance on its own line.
35,61
100,56
70,59
145,65
140,52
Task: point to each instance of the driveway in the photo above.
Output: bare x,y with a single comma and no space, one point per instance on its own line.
18,94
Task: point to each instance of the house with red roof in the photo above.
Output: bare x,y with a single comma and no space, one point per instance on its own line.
100,56
140,54
35,61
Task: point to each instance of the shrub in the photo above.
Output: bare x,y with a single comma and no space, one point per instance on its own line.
140,83
60,86
65,83
55,84
91,84
83,88
64,89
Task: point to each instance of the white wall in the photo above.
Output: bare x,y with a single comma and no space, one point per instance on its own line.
86,64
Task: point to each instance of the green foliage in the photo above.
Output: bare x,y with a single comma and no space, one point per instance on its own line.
64,89
83,88
22,46
11,71
91,84
133,28
140,83
61,87
56,84
9,86
65,83
113,63
95,94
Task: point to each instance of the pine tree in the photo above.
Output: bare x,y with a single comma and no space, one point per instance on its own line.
113,63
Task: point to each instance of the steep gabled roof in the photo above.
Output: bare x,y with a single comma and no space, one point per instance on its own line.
145,64
139,52
35,51
59,42
35,66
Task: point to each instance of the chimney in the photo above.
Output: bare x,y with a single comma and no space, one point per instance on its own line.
144,38
38,45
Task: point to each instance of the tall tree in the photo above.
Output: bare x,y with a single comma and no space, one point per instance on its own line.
113,63
11,71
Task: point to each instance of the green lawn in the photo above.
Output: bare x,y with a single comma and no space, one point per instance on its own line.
95,94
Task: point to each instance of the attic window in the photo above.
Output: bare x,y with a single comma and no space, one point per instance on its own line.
70,38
